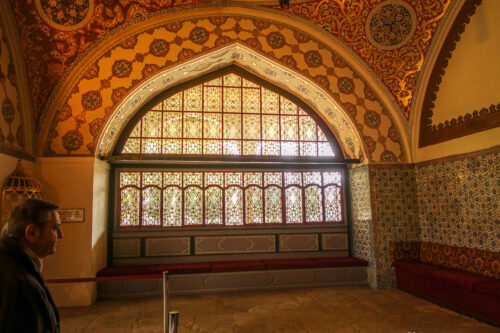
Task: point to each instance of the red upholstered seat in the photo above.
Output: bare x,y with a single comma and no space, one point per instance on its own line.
340,262
289,263
238,266
186,268
415,267
128,270
457,278
491,288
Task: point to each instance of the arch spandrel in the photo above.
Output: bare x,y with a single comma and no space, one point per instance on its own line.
102,91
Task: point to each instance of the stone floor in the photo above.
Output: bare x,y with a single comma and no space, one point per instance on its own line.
334,309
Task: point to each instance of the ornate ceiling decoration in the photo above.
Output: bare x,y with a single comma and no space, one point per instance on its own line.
392,36
124,67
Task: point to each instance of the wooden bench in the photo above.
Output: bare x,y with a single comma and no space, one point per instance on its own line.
219,276
463,279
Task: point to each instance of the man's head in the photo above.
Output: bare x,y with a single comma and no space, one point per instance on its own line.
35,224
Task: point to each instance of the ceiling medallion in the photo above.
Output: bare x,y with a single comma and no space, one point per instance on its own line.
391,24
65,15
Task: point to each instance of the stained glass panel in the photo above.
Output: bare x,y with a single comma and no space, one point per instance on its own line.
333,208
289,148
212,125
193,206
172,146
172,207
213,99
172,124
151,125
232,126
231,147
308,149
193,178
243,111
213,206
270,127
251,126
314,204
293,197
232,100
250,197
130,178
234,206
307,129
212,147
251,100
273,206
173,103
151,206
287,107
129,208
251,148
132,146
193,99
250,84
232,80
289,128
192,125
151,146
253,205
136,132
152,178
270,102
192,147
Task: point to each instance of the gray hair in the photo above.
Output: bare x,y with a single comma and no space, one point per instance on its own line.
26,212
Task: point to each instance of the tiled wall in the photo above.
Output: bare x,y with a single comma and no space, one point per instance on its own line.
452,202
395,214
361,214
459,202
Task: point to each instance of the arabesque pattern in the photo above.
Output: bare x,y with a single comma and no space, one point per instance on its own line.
398,68
74,121
11,123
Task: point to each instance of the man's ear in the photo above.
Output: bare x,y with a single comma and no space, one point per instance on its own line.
31,232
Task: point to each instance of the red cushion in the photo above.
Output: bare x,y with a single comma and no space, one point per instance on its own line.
289,263
340,262
238,266
415,267
128,270
456,278
491,289
186,268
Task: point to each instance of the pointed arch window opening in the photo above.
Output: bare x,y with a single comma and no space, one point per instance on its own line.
230,117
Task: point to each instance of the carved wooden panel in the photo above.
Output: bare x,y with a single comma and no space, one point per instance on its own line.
168,246
235,244
299,242
126,248
334,241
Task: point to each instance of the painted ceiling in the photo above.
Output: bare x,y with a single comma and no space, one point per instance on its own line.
392,37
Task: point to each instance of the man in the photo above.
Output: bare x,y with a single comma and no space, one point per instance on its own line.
30,234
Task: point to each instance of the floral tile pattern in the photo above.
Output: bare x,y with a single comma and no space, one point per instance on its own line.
361,214
395,215
458,202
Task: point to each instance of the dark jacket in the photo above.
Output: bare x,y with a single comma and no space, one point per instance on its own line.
25,301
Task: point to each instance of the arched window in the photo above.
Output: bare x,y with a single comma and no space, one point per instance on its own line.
229,150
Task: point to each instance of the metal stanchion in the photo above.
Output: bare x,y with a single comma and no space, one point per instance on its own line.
170,318
166,301
173,321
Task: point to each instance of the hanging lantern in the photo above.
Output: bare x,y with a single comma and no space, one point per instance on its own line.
18,186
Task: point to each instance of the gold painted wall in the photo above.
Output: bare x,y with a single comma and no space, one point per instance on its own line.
471,79
11,124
